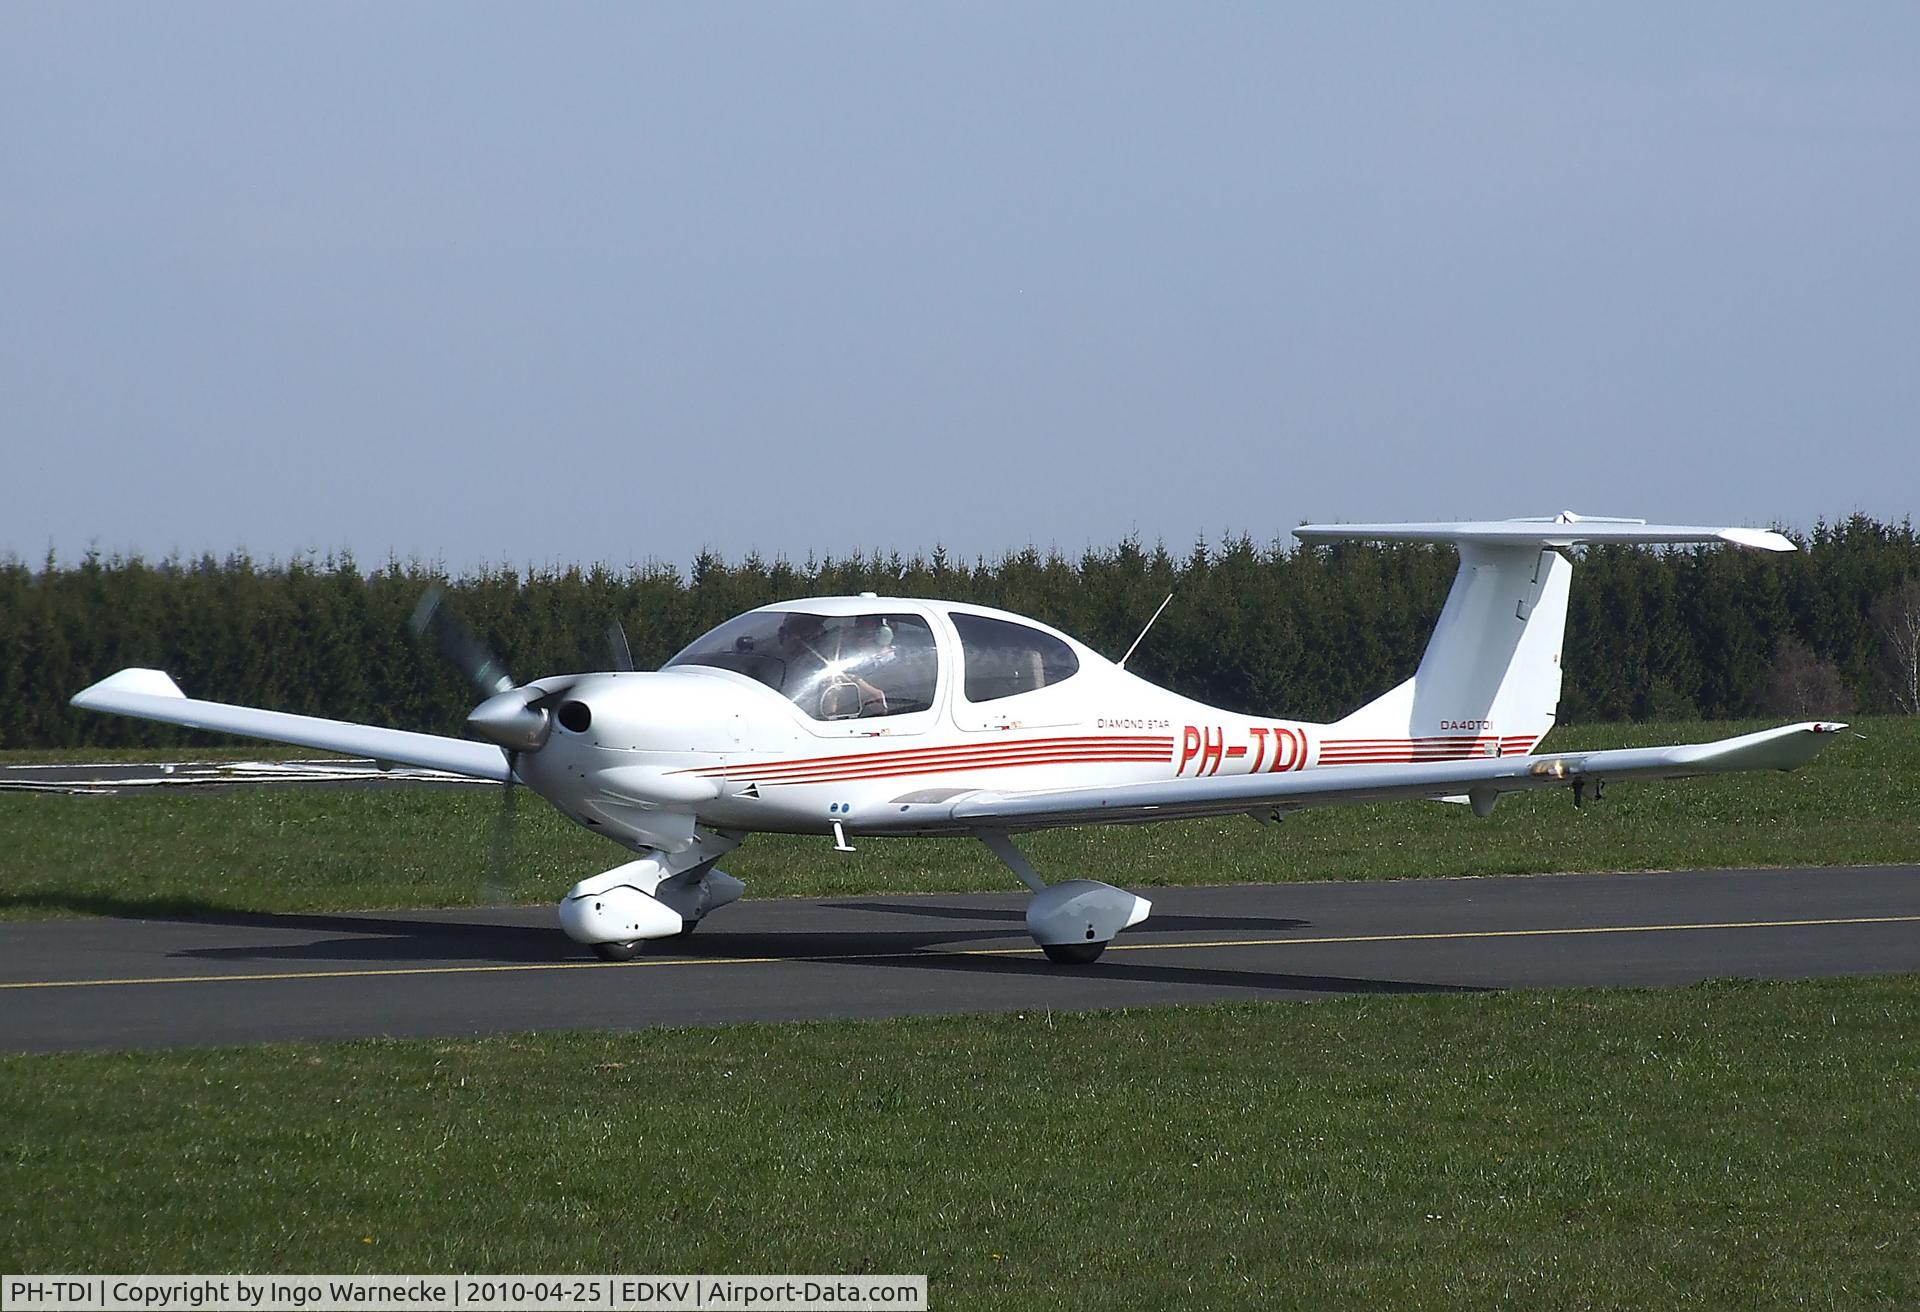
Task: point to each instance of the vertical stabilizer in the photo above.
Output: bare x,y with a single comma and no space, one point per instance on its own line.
1491,673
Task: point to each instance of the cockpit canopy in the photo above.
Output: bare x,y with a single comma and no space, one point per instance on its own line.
833,667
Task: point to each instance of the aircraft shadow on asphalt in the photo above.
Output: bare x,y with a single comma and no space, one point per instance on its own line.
432,941
401,941
394,939
113,906
1126,970
1158,922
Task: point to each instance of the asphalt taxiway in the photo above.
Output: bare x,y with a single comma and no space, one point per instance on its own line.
240,978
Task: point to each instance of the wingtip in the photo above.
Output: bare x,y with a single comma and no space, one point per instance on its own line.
1759,539
148,683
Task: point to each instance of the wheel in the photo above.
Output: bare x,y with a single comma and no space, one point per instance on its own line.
1073,954
626,951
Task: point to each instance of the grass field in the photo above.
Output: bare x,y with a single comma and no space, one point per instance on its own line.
1736,1145
1732,1145
315,850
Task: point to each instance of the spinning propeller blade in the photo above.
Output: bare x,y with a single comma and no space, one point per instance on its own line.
459,644
508,717
497,885
617,647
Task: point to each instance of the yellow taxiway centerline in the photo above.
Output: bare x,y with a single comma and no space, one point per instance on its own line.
386,972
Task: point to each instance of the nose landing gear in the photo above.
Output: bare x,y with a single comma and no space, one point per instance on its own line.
662,895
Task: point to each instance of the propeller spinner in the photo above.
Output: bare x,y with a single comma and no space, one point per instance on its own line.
516,719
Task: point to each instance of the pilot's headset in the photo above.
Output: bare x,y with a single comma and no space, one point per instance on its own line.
876,636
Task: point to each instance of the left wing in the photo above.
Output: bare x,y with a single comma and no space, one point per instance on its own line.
1482,780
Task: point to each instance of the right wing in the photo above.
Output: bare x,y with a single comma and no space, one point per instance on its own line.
151,695
1481,779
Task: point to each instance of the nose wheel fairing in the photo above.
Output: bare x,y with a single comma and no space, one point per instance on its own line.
658,895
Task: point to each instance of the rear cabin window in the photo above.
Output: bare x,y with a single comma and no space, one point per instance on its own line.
1004,659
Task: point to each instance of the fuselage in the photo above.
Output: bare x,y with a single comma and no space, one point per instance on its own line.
869,713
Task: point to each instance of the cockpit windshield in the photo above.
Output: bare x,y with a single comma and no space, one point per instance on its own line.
833,667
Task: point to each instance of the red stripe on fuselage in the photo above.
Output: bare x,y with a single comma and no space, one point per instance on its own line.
908,772
1407,751
1160,745
945,763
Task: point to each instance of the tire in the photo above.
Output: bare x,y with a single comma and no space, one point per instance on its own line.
1073,954
626,951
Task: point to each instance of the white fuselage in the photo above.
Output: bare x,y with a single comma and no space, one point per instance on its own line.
739,755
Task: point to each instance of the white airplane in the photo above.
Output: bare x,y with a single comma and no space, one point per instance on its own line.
850,717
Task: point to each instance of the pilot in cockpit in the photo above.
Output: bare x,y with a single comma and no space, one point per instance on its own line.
826,669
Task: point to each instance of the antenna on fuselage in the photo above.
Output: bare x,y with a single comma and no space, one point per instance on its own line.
1143,632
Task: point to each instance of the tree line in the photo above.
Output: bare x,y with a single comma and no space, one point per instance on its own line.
1310,632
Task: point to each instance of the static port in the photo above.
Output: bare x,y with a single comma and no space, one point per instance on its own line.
575,717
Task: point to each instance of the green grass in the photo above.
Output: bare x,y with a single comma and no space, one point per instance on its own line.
1732,1145
319,850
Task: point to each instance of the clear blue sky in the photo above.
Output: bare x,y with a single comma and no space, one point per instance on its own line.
615,282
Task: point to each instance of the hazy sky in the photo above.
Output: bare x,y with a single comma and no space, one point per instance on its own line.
615,282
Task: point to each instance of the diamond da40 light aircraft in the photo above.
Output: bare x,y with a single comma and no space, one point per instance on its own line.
865,716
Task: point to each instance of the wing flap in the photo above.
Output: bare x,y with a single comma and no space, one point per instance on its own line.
1347,785
152,695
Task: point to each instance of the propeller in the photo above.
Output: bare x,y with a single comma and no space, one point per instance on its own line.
497,885
511,717
617,647
459,644
514,718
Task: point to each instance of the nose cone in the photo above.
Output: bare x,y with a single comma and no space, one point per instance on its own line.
508,720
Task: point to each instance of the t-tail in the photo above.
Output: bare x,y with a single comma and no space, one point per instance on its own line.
1491,671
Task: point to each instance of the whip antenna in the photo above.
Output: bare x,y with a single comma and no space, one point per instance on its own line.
1143,632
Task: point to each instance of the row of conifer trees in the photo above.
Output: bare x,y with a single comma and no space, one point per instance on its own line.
1307,632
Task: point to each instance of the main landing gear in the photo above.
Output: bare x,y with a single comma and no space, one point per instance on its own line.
1072,921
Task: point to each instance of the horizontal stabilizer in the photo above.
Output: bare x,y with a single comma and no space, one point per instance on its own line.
1563,530
152,695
